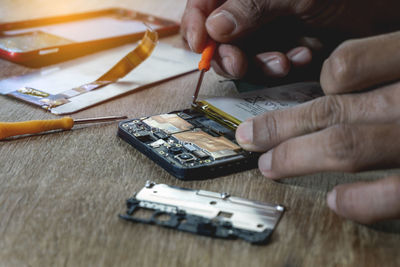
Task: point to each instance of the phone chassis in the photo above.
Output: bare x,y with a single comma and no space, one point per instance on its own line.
188,144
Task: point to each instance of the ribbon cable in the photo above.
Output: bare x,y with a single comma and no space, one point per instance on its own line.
118,71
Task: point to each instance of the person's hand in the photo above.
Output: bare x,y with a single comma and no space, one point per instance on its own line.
347,130
270,33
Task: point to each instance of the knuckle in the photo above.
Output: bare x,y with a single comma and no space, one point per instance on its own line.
305,8
340,67
324,112
395,185
343,147
267,125
282,155
254,7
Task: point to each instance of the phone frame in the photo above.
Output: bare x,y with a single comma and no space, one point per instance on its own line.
54,54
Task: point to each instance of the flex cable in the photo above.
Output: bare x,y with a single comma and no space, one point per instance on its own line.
118,71
216,114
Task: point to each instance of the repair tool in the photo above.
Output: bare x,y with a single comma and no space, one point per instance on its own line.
8,129
204,64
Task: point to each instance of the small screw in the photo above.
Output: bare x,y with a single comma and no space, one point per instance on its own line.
150,184
224,195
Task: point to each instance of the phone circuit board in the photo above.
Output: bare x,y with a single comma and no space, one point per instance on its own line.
188,144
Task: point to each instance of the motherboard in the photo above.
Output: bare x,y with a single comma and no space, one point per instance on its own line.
188,144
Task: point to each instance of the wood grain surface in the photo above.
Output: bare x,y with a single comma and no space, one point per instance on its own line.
60,193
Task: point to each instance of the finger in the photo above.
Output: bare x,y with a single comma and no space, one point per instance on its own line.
274,64
311,42
218,70
300,56
230,61
267,130
367,202
360,64
347,148
193,22
235,18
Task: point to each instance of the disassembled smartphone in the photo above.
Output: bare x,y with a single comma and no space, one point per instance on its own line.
199,143
41,42
204,212
188,144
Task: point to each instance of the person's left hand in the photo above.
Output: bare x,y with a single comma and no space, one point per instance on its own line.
347,130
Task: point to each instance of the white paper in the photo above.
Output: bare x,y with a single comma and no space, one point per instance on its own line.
165,62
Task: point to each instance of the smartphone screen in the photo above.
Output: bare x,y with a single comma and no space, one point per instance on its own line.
91,29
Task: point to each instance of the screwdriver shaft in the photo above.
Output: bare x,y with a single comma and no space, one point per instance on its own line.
196,92
100,119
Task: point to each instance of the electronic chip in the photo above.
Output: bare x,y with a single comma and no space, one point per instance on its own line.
200,154
213,125
158,143
217,147
185,157
160,135
184,116
169,123
189,147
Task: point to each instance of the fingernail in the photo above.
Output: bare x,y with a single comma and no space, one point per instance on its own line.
273,66
229,66
331,200
223,23
244,133
190,40
265,163
301,55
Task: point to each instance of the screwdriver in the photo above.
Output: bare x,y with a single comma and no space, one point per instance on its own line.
8,129
204,64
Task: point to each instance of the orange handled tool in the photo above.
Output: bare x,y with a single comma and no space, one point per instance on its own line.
204,64
8,129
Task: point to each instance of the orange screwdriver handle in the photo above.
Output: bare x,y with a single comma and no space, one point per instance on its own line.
207,55
8,129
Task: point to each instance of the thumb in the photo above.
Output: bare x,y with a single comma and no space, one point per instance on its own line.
236,17
367,202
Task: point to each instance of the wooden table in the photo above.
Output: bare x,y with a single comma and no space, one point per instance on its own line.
60,193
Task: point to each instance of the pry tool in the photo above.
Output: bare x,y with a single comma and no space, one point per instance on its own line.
204,65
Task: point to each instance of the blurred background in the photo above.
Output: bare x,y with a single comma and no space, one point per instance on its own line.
31,9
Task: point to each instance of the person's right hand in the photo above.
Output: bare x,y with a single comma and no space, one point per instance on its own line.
354,127
279,23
